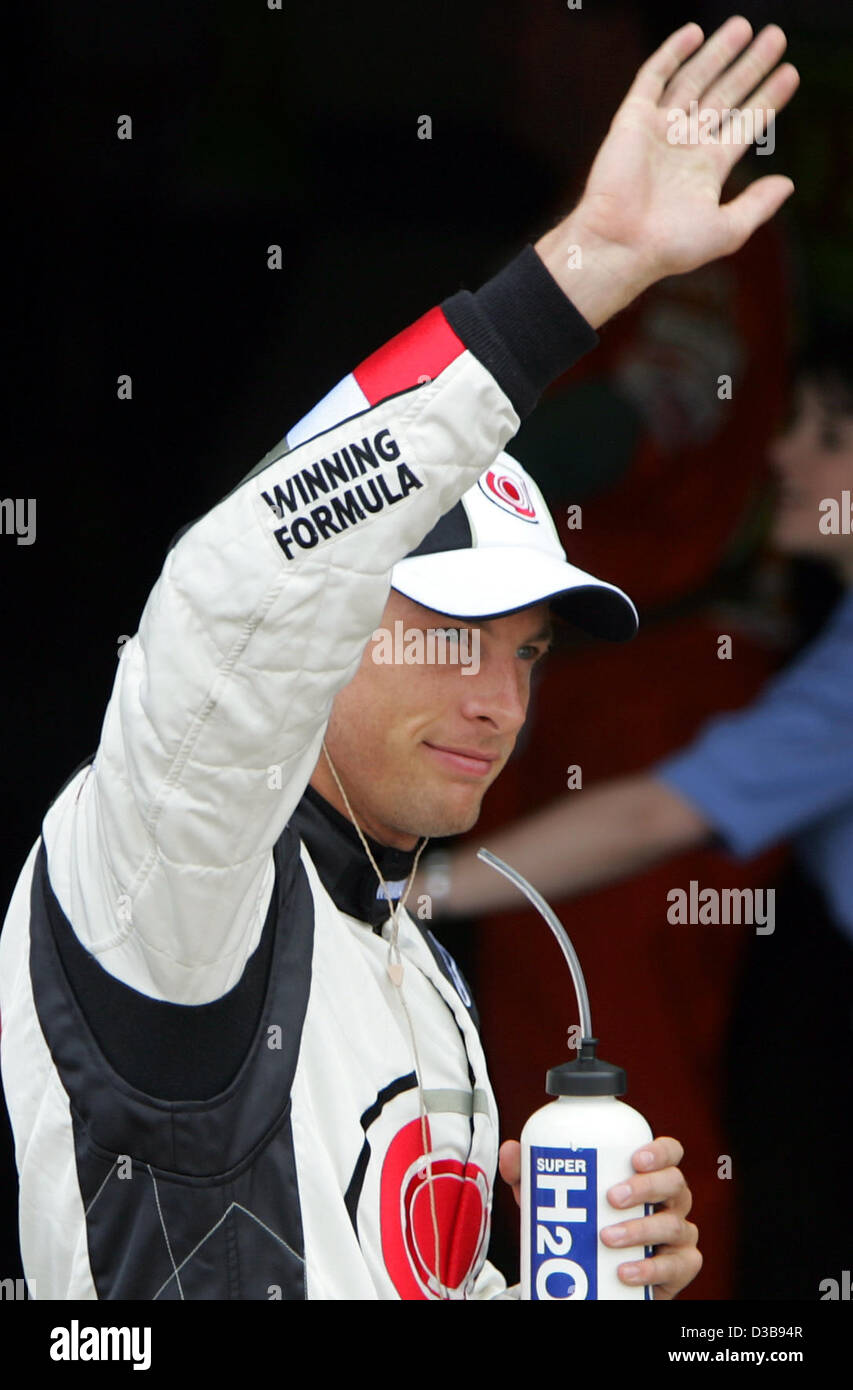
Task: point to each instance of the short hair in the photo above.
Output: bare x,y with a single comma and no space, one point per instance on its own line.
826,362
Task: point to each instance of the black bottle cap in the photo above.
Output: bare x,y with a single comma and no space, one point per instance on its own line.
588,1076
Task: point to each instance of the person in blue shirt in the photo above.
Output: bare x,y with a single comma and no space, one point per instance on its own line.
782,769
778,770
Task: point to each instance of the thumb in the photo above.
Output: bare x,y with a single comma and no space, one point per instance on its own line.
754,206
509,1162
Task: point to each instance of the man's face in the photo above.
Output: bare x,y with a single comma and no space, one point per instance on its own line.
813,460
416,746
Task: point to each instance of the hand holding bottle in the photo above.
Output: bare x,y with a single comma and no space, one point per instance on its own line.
658,1181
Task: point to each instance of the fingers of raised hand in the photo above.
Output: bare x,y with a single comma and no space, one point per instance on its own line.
733,104
738,133
661,67
747,74
692,78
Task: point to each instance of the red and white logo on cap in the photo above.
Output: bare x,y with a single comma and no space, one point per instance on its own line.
509,491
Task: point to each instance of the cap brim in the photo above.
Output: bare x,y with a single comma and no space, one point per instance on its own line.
493,581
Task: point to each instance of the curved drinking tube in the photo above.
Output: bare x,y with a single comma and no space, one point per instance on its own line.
557,928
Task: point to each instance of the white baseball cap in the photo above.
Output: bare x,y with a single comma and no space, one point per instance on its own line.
497,550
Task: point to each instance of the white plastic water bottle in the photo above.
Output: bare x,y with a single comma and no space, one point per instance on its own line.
573,1151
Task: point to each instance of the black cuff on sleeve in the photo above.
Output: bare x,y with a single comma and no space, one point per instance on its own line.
522,328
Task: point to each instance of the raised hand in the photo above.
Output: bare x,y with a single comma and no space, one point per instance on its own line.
651,206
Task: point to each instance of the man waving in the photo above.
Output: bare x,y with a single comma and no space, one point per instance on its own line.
235,1066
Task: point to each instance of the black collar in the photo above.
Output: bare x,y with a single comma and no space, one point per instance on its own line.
339,858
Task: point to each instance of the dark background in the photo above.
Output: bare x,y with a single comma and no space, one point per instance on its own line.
148,257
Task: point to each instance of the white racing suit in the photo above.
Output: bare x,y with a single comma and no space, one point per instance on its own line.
210,1080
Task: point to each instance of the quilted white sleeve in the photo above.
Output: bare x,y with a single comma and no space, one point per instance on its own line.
221,699
161,855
